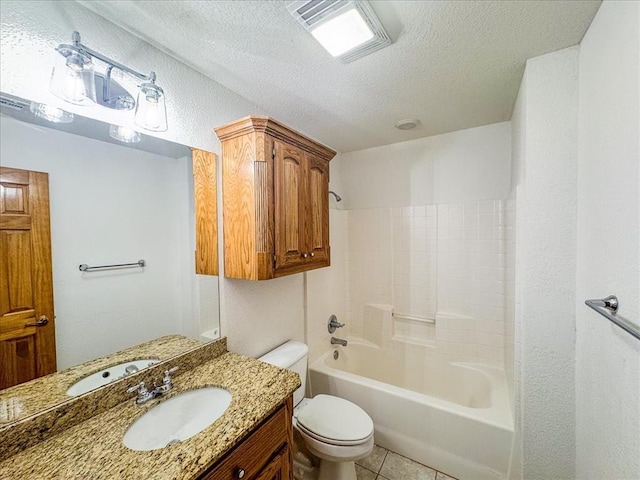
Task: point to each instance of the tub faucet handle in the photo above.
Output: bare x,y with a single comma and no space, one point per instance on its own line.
333,324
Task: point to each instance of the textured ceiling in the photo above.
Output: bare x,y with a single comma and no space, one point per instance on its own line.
452,65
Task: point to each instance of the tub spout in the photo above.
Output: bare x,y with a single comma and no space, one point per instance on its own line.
338,341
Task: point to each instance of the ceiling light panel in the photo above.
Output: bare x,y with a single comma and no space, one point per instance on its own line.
347,29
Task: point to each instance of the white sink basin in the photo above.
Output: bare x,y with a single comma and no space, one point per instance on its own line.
108,375
177,419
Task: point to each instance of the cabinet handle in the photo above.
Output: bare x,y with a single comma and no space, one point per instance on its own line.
305,255
312,254
240,473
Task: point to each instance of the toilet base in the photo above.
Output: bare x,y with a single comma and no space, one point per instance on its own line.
337,470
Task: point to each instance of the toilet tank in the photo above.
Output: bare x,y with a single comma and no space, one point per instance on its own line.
292,356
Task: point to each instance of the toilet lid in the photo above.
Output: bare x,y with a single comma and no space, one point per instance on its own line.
335,418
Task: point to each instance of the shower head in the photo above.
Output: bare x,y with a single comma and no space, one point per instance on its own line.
338,197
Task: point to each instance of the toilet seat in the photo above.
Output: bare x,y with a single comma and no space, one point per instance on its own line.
334,421
331,441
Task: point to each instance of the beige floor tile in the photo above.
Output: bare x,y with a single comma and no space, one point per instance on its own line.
397,467
374,461
364,474
442,476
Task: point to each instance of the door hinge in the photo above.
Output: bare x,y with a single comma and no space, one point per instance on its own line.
274,261
273,152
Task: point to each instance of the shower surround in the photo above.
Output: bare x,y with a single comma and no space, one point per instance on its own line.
430,276
420,247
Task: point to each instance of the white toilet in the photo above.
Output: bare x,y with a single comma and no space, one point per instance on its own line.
334,429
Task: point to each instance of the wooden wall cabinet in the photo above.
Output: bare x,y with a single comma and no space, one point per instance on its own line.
206,211
275,190
265,455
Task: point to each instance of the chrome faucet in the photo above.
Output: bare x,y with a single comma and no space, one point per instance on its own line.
338,341
144,394
333,324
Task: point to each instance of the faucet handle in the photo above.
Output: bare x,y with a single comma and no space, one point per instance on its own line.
334,324
167,375
140,388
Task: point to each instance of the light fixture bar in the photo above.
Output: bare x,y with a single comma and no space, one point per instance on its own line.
76,44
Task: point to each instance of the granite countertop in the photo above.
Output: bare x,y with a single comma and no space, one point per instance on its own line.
94,449
32,397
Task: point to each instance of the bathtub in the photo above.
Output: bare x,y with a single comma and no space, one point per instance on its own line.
452,416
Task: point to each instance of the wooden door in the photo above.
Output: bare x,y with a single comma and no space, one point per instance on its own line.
317,217
290,191
27,330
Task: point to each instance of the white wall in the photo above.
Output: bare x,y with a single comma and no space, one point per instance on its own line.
326,288
254,316
467,165
546,261
608,358
111,204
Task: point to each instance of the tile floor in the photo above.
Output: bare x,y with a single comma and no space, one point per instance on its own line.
384,464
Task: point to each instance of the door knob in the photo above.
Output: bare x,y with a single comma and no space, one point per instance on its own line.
41,322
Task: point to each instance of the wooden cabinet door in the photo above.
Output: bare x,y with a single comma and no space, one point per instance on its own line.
278,468
254,457
317,217
206,210
290,192
27,331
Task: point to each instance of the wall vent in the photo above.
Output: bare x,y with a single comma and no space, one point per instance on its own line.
13,104
311,13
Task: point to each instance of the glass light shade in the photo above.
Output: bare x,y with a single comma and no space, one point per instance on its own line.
343,32
72,78
151,112
124,134
51,114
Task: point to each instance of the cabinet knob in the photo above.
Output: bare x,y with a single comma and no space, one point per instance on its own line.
240,473
305,255
312,254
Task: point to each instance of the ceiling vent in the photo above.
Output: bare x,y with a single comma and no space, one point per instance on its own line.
324,19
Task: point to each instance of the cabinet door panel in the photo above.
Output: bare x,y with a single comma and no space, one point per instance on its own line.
317,229
292,204
277,468
289,206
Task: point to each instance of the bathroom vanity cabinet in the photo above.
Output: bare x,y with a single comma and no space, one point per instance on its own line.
264,455
251,439
275,191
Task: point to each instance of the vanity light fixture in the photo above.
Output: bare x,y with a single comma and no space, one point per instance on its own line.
75,80
347,29
124,134
51,114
